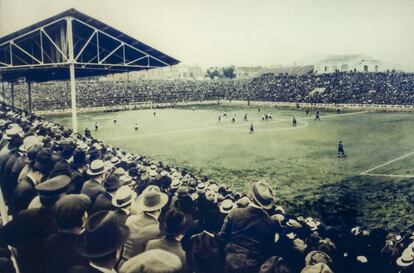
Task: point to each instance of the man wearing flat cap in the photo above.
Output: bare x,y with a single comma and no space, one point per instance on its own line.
248,233
71,215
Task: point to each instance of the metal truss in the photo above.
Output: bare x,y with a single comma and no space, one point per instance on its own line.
49,45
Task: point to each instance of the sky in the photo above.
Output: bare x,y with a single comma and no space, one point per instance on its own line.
245,32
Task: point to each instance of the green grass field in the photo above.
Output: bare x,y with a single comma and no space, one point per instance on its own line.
299,162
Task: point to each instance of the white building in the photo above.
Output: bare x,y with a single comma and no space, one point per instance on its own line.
348,63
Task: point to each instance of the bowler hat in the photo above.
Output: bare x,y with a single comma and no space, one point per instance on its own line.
262,194
152,199
226,206
103,235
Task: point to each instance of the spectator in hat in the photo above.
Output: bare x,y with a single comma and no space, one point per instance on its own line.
173,227
122,201
153,261
248,233
104,200
50,191
78,169
27,233
101,243
93,187
145,225
71,215
14,164
9,154
25,190
31,157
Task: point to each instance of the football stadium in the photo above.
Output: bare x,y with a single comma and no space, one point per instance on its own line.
116,157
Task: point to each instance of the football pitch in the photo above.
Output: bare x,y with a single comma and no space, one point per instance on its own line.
373,185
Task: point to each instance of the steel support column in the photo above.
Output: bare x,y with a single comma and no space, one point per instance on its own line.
29,89
3,92
12,93
72,74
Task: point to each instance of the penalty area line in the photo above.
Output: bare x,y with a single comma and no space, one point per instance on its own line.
389,175
386,163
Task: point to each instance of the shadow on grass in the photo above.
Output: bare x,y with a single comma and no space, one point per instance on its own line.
361,200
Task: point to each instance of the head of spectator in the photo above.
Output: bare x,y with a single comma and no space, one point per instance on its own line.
226,206
71,212
43,162
79,158
97,170
151,201
124,198
153,261
103,239
33,150
52,190
275,264
261,194
175,224
111,183
315,257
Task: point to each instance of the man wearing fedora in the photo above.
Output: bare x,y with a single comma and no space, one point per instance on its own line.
104,200
173,227
144,226
248,233
101,243
122,201
93,187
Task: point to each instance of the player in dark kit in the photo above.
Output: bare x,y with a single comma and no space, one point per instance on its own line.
233,119
245,117
96,126
115,119
307,111
219,118
317,116
251,128
294,122
341,152
136,126
154,113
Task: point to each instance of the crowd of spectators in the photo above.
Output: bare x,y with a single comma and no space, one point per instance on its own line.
78,205
351,87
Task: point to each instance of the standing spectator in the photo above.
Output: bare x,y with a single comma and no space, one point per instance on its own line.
248,233
71,215
93,187
101,243
145,225
173,227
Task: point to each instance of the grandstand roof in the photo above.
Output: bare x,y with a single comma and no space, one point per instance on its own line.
40,52
347,58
